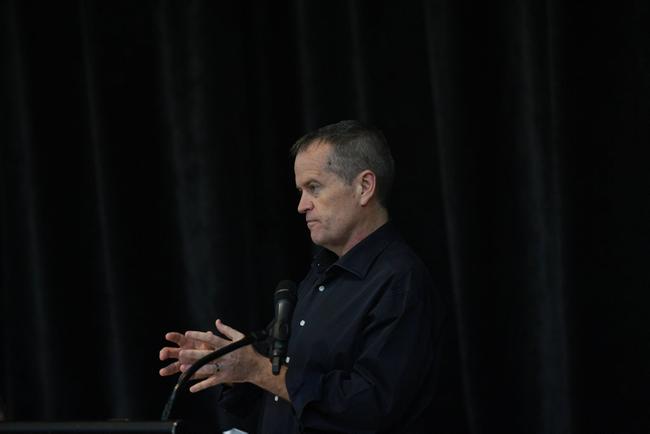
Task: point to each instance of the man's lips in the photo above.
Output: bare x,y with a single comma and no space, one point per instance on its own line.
311,223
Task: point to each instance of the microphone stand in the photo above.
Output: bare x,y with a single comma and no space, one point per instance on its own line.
187,375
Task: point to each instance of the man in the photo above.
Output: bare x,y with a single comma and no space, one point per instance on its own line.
363,348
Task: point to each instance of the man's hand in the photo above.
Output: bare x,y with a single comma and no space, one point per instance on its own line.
239,366
236,367
183,343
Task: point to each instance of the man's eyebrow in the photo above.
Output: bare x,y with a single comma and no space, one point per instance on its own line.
307,182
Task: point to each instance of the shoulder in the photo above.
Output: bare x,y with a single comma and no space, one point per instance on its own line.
402,269
400,257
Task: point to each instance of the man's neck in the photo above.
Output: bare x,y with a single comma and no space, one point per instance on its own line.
367,226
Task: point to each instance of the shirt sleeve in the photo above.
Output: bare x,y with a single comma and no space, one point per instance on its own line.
241,399
392,375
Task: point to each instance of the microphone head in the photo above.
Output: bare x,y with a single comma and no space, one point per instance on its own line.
286,290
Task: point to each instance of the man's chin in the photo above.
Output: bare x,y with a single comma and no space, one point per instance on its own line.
315,238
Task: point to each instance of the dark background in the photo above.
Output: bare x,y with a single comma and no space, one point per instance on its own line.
146,186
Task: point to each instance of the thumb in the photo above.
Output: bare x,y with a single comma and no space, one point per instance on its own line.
230,332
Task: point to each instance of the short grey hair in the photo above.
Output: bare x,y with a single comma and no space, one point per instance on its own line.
355,147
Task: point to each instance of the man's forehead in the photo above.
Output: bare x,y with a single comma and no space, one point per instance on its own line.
305,174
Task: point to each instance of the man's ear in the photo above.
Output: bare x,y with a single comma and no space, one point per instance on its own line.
367,182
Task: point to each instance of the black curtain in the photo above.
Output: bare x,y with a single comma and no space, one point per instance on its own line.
146,186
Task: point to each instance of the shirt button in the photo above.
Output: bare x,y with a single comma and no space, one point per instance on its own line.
302,323
321,288
287,360
275,398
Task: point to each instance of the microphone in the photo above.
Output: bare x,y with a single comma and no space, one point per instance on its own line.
284,301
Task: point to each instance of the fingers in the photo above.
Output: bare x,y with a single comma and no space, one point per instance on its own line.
230,332
207,339
176,367
191,346
183,340
175,337
187,357
209,382
171,369
205,371
169,353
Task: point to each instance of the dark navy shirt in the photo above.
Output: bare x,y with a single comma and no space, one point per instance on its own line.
363,347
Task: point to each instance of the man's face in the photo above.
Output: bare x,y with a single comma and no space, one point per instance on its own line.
330,205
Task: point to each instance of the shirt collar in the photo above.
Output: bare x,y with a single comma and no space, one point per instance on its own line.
359,259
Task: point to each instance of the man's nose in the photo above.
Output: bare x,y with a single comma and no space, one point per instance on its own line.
304,204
